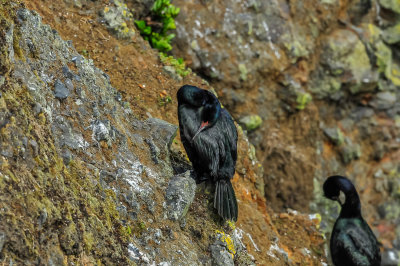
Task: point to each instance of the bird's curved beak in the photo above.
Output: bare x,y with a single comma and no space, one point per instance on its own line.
201,128
338,200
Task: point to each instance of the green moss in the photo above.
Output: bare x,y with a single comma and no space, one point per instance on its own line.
126,232
326,87
296,49
251,122
178,64
243,72
88,241
17,49
139,228
163,101
302,100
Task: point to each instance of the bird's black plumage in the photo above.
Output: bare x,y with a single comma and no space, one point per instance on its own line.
209,137
352,241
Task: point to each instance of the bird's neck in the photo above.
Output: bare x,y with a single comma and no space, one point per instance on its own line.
352,206
211,112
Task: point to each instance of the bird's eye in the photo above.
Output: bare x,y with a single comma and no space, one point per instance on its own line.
342,197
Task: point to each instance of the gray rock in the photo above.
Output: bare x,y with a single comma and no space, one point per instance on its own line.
154,150
335,135
391,4
220,256
157,236
67,156
37,109
170,70
42,217
107,177
2,240
349,151
344,52
162,132
179,195
362,112
67,72
69,84
383,100
6,150
60,90
390,257
118,97
56,258
35,147
116,16
101,130
136,255
389,210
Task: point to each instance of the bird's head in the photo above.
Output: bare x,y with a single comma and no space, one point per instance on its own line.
333,187
210,111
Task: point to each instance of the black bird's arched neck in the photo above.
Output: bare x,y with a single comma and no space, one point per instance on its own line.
352,206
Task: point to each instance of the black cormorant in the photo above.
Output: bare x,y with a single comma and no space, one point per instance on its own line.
210,138
352,241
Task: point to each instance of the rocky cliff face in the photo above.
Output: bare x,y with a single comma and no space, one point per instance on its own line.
91,170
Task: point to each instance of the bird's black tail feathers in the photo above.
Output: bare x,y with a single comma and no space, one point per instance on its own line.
225,200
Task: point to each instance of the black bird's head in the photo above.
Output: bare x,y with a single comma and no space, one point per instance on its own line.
334,184
205,101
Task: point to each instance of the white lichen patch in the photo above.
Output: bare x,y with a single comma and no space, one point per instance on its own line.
274,248
136,255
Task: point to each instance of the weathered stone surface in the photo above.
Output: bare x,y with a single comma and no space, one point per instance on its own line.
60,90
220,256
162,131
117,15
2,240
390,258
391,4
179,195
335,135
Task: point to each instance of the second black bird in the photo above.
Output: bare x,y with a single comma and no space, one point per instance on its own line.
209,137
352,241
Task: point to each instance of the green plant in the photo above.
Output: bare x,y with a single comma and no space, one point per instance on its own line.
165,13
162,101
178,64
302,100
85,53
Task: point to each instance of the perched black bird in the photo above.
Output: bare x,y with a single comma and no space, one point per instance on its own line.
352,241
210,138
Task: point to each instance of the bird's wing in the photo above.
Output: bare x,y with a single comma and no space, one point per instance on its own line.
208,152
185,121
356,243
232,134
